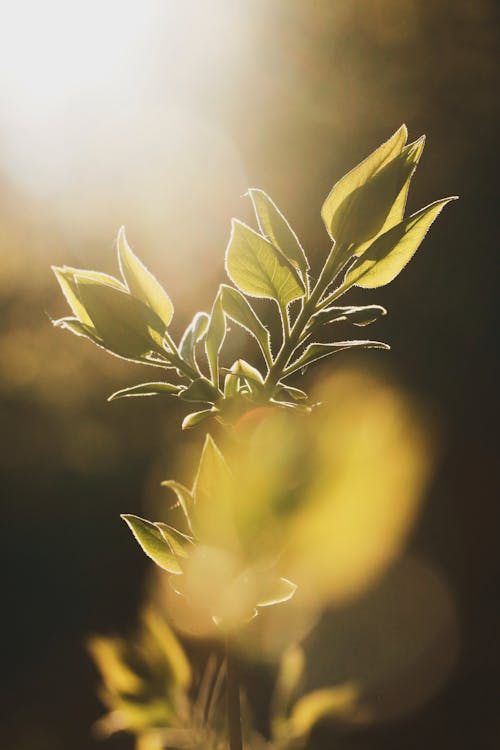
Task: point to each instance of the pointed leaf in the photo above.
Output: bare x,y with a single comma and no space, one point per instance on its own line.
214,338
200,389
238,309
152,542
147,389
78,328
285,392
171,648
274,590
65,275
176,540
274,227
360,175
358,316
141,282
213,473
125,325
390,253
194,419
317,351
362,214
257,268
193,333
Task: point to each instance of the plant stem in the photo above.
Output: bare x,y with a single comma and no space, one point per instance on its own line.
233,702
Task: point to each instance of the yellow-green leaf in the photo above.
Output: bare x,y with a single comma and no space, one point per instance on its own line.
317,351
141,282
153,543
194,419
390,253
258,269
66,276
200,389
238,309
214,338
193,333
177,541
361,174
79,329
147,389
277,230
358,316
184,496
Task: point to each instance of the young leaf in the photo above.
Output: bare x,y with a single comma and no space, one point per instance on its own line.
193,333
194,419
125,325
362,214
246,372
153,543
285,392
360,175
214,338
147,389
67,278
213,474
258,269
390,253
274,227
79,329
358,316
238,309
176,540
317,351
141,282
200,389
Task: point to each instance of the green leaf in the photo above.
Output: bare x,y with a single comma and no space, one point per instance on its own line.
193,333
126,326
66,276
258,269
291,670
362,214
200,389
284,391
153,543
390,253
360,175
184,496
216,333
147,389
173,653
194,419
274,227
247,372
141,282
317,351
358,316
213,473
238,309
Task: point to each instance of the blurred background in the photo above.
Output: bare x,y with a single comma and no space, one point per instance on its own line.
159,115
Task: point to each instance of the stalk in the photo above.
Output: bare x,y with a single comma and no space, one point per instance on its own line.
233,702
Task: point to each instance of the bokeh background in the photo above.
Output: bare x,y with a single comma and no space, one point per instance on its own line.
159,115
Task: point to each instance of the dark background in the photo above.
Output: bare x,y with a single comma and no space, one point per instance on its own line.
313,88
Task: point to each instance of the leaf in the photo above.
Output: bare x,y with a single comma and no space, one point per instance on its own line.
200,389
194,419
291,670
362,214
274,227
360,175
184,496
213,473
257,268
125,325
246,372
358,316
214,338
152,542
65,275
147,389
317,351
286,391
193,333
170,646
390,253
141,282
238,309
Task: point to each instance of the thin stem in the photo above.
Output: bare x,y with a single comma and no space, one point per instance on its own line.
233,703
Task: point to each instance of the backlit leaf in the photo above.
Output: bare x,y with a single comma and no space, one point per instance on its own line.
317,351
200,389
193,333
141,282
277,230
390,253
152,543
79,329
184,496
176,540
67,278
214,338
238,309
360,174
274,590
147,389
358,316
257,268
194,419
